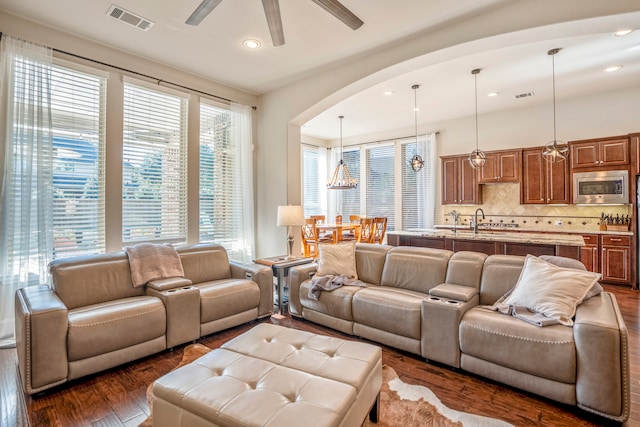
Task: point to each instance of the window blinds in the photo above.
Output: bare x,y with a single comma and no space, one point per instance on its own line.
154,206
380,183
78,129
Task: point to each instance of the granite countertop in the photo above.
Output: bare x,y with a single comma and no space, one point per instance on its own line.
498,236
535,230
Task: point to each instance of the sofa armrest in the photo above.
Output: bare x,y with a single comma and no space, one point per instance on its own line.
602,384
297,275
260,274
454,292
41,338
166,284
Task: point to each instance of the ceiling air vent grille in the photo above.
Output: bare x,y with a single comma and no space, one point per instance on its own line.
137,21
524,95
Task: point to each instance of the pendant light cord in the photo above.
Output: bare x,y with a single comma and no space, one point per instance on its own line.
553,83
475,80
341,117
415,112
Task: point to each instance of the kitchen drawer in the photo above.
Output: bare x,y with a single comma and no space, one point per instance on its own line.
615,240
590,239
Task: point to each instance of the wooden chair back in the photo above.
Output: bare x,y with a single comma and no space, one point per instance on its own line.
309,238
320,219
366,230
379,229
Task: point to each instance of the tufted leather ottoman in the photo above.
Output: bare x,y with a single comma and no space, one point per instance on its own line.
273,376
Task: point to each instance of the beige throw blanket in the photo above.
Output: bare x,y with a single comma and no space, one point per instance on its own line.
149,261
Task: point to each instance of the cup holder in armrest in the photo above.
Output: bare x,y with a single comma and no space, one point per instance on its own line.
437,300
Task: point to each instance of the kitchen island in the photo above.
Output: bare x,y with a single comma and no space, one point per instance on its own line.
491,242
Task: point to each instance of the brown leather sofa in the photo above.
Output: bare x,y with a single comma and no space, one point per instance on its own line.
92,318
429,302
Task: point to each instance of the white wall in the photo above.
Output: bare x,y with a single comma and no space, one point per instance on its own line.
283,111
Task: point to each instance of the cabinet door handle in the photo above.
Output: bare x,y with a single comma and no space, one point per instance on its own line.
615,240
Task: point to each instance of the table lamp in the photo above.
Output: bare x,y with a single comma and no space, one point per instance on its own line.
288,216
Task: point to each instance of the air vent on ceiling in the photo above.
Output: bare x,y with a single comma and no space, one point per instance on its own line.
524,95
130,18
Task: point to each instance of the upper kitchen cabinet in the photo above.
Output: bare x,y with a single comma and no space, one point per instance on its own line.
543,182
459,182
599,153
501,166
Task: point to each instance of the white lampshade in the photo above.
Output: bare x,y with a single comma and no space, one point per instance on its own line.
290,215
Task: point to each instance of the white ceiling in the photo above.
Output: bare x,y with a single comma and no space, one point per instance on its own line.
315,40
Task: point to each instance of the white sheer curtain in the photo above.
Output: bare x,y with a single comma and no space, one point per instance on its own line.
26,194
427,181
241,131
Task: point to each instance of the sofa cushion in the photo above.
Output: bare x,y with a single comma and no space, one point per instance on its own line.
336,303
550,290
205,262
223,298
105,327
337,260
393,310
499,274
370,260
415,269
547,352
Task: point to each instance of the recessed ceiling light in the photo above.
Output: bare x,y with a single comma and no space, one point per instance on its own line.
614,68
622,32
493,94
251,44
388,92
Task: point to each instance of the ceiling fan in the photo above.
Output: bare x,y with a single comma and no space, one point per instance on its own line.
272,12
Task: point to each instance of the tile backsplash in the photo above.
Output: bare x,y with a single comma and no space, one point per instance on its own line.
502,205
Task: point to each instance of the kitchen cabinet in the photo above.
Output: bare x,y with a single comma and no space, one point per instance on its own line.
459,182
616,259
599,153
609,255
543,182
501,166
590,253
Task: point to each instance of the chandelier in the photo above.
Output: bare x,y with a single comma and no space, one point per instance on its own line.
477,158
341,179
554,150
416,161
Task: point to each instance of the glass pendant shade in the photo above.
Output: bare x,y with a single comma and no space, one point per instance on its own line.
555,150
416,163
477,158
341,178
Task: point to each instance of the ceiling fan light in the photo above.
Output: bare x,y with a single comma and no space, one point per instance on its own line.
477,158
555,150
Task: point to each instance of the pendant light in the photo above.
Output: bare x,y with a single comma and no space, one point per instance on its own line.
554,150
341,179
477,158
416,161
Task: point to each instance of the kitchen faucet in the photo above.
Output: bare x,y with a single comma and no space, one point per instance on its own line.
475,220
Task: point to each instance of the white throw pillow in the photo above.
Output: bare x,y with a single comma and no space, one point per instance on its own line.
550,290
337,259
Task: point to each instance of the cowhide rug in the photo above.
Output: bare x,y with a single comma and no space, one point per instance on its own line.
401,404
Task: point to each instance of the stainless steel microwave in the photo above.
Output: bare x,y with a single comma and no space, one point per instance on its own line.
601,188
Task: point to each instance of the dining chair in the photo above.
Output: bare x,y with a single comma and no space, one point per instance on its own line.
311,237
379,229
366,230
352,234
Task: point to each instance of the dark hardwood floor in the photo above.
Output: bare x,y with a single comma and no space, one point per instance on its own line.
118,397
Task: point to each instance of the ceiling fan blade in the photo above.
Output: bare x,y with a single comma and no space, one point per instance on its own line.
272,12
202,11
338,10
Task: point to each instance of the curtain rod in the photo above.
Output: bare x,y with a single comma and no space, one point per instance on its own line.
380,141
253,107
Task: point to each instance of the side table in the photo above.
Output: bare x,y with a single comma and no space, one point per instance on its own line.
280,267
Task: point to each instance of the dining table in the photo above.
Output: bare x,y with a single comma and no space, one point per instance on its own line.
336,229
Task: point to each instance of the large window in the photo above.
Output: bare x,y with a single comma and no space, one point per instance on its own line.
349,200
78,131
154,206
381,183
311,184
